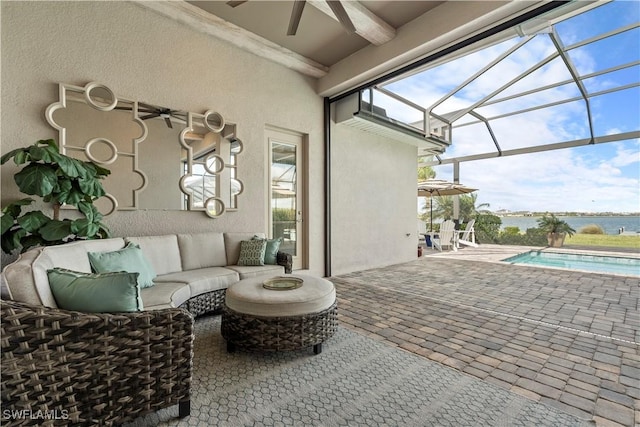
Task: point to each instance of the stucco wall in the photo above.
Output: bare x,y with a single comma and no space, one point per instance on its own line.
373,200
141,55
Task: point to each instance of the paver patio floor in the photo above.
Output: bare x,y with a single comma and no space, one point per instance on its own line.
567,339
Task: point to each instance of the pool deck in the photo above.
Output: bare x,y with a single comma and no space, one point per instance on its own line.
569,339
496,253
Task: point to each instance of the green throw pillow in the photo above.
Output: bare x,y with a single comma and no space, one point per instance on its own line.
95,293
252,252
273,246
129,259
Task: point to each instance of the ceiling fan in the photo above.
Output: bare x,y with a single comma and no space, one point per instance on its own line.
148,111
167,114
296,13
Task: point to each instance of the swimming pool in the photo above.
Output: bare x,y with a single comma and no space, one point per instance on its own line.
595,263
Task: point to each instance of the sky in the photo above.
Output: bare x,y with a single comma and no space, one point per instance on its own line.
595,178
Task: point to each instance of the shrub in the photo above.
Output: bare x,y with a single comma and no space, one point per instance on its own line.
510,239
591,229
283,214
487,228
532,237
511,230
536,237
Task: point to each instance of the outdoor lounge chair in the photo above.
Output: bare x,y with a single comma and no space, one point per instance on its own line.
422,232
93,369
467,236
446,237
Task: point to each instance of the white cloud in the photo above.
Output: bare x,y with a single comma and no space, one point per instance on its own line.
560,180
626,153
594,178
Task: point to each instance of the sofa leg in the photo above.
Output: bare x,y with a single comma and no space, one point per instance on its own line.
184,409
317,348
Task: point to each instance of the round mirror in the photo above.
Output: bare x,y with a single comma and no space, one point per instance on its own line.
236,146
213,164
101,150
236,187
100,97
214,207
106,204
214,121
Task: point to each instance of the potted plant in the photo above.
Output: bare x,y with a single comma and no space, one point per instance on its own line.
555,228
59,180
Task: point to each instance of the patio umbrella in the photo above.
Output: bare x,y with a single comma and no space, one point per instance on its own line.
440,187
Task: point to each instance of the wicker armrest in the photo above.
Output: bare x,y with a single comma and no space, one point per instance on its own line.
93,368
286,260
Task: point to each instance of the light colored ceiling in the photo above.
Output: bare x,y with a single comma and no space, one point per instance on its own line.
389,34
319,36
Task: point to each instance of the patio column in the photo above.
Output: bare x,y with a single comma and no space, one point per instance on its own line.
456,198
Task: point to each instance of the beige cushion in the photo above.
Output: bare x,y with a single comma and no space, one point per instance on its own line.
202,280
20,280
248,296
202,250
27,276
165,295
246,271
161,251
5,292
73,256
232,245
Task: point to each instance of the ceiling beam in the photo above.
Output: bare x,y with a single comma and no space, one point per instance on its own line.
368,25
212,25
296,14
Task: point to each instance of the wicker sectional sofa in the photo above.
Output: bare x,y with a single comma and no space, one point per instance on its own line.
193,270
66,367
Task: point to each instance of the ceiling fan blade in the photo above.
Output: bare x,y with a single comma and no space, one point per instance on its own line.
296,14
168,121
143,106
150,116
342,15
236,3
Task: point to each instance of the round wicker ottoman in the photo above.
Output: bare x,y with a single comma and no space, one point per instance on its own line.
255,318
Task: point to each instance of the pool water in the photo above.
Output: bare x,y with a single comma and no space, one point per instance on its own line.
595,263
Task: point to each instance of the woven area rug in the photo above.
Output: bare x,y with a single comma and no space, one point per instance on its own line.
355,381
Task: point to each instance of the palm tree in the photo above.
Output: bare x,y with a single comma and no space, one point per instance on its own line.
443,207
468,208
425,173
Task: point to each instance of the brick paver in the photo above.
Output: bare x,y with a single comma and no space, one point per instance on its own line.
567,339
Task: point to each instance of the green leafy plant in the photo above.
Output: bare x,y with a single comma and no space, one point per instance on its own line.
555,228
552,224
283,214
532,237
487,228
511,231
59,180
